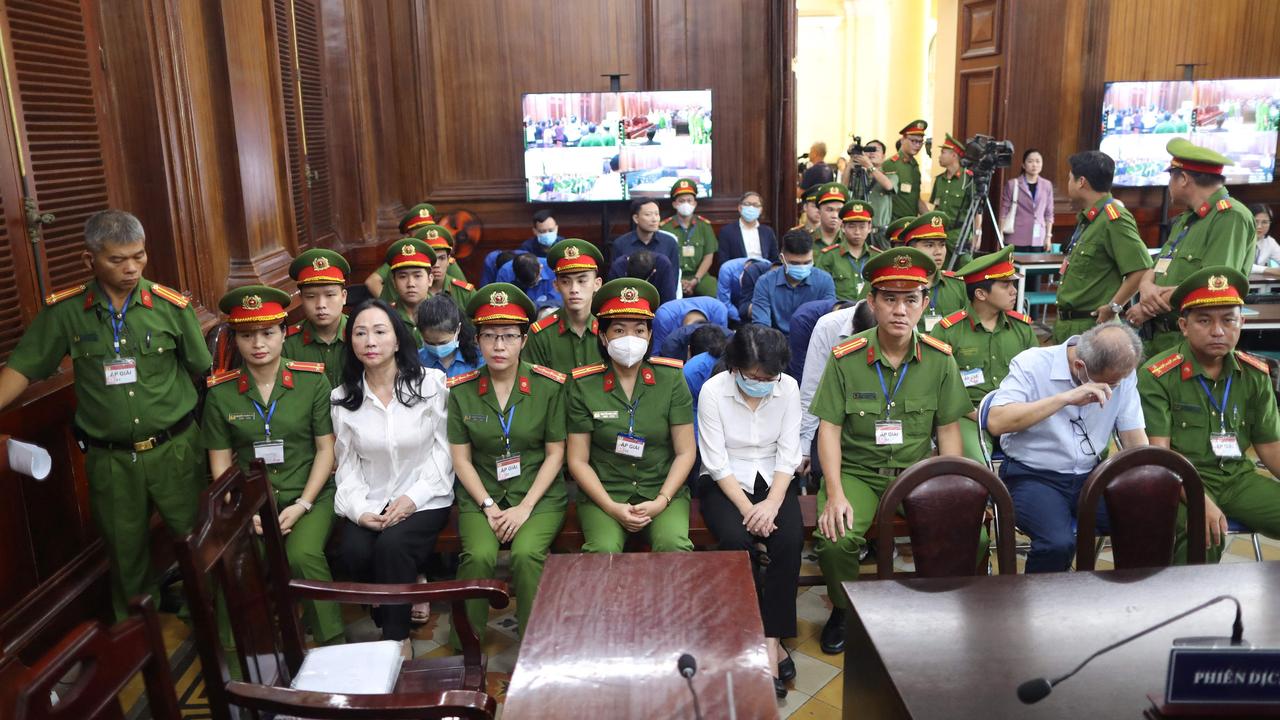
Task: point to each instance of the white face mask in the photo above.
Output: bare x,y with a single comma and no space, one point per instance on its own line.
684,209
629,350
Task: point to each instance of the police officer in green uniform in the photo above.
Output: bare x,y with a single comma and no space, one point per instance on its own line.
1211,403
830,198
418,216
440,240
698,242
952,190
928,234
410,260
1105,259
630,421
135,346
893,230
883,396
1216,230
321,276
506,435
906,201
985,336
845,260
809,221
566,339
277,410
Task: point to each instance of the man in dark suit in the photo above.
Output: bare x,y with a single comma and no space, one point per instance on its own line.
748,236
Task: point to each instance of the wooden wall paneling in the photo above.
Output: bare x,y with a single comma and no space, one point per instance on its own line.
343,49
298,225
378,116
781,207
19,299
980,28
979,98
313,84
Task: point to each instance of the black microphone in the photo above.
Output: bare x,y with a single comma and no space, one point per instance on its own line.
687,667
1033,691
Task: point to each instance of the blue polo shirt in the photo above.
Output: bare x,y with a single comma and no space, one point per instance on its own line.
775,300
662,243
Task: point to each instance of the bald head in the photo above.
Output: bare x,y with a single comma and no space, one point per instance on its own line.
1110,349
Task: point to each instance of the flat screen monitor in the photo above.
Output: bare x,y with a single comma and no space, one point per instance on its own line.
1238,117
587,147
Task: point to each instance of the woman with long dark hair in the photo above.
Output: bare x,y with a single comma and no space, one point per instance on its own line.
448,339
395,477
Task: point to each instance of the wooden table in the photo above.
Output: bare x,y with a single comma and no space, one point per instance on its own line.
1033,264
606,631
959,648
1268,317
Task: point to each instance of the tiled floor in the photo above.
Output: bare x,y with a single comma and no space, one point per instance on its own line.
816,693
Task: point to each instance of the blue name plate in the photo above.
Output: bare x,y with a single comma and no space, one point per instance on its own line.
1223,675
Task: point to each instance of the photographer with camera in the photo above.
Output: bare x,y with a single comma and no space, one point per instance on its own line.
906,200
982,155
867,181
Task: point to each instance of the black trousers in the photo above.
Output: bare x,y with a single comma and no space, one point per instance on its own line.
392,556
777,591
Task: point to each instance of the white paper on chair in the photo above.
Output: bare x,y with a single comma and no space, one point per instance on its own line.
369,668
30,460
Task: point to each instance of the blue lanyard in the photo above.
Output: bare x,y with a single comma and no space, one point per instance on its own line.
631,416
933,301
888,399
506,427
266,417
1174,246
1222,410
859,265
117,322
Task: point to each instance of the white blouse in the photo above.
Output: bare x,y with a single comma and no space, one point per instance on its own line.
1268,250
385,451
736,440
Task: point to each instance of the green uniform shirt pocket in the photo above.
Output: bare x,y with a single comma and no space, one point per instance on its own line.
862,414
918,414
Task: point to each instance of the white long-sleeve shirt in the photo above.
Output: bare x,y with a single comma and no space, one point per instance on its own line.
1268,250
830,330
736,440
385,451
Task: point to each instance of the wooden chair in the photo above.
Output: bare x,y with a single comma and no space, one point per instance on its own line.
224,557
1142,487
944,500
107,659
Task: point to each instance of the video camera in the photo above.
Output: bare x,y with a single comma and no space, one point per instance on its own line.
983,154
856,148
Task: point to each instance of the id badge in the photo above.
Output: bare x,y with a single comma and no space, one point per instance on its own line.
904,187
859,290
687,250
120,371
628,445
508,467
889,432
972,376
930,321
1225,445
1162,266
270,452
1037,232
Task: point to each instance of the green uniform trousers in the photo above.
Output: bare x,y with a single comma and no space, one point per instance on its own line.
706,286
669,532
972,450
1252,499
479,560
1063,329
304,548
123,489
839,559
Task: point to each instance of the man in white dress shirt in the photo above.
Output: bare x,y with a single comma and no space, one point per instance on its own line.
831,329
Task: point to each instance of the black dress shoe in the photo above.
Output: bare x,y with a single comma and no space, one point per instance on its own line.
833,633
779,688
786,667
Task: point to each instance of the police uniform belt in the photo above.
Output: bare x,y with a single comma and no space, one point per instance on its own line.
150,443
1074,314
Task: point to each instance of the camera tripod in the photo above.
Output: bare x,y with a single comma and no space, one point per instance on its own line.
980,200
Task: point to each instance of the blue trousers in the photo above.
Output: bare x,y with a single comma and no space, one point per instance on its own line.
1045,504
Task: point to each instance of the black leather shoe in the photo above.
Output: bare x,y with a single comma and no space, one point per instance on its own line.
779,688
833,633
786,667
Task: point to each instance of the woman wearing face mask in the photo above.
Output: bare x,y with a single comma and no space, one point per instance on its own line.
748,238
448,341
749,438
630,423
278,410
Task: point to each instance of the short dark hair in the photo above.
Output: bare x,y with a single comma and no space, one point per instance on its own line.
527,270
863,317
439,313
1260,209
639,203
1204,180
503,257
750,193
542,216
883,148
1027,153
984,285
1096,167
641,264
761,346
707,338
797,242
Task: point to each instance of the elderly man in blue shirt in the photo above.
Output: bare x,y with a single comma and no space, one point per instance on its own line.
1054,413
779,292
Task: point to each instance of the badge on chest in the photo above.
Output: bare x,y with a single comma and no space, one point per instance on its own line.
508,467
120,371
270,452
629,445
972,377
1224,445
889,432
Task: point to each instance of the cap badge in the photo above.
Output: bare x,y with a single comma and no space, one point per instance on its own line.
498,298
572,252
424,213
902,261
408,250
857,208
251,302
432,234
320,263
1217,283
935,221
629,295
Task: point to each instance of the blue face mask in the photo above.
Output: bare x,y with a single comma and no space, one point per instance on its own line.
444,350
547,239
754,388
799,272
750,214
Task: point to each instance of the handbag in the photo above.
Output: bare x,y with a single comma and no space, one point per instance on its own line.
1006,225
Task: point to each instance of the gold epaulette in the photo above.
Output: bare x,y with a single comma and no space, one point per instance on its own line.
463,378
1112,213
220,377
936,344
170,294
1256,362
57,297
314,367
547,372
1224,204
587,370
829,248
669,362
544,323
1160,367
953,318
948,273
463,284
1018,316
848,346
